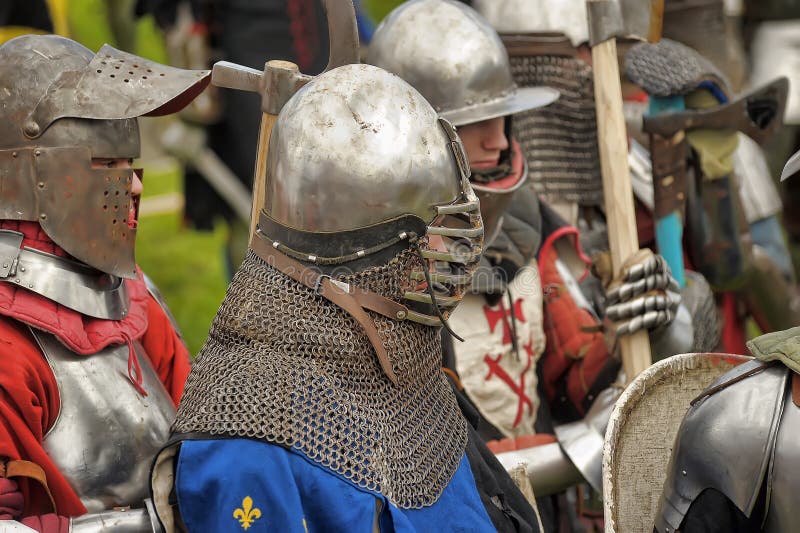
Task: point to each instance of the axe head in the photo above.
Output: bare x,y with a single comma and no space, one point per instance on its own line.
343,33
281,79
625,19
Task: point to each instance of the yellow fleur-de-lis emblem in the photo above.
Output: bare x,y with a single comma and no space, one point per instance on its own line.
247,514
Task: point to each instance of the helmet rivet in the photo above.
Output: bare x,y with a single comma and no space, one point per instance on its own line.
41,184
401,315
31,129
5,265
37,152
22,269
43,216
13,154
683,472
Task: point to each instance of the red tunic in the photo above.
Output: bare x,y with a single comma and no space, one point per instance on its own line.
29,397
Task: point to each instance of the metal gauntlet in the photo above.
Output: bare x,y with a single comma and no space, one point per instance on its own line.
647,299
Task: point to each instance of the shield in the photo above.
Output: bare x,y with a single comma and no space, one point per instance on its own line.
642,431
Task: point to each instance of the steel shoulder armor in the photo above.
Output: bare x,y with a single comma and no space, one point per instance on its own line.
727,442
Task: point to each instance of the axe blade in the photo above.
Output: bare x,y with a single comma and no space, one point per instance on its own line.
758,114
343,33
627,19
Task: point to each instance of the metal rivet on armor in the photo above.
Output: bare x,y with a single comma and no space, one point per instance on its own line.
16,280
312,258
40,185
683,472
30,285
22,269
13,154
360,253
401,315
31,129
43,216
276,244
5,265
37,152
403,235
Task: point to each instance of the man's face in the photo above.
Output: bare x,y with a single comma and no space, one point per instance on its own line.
136,184
484,141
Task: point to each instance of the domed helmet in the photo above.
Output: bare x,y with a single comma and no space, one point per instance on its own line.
60,107
362,179
463,72
402,181
543,39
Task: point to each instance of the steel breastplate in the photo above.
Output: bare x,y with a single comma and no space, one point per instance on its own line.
784,482
106,433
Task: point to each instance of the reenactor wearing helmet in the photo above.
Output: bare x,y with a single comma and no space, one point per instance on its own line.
318,401
92,366
535,360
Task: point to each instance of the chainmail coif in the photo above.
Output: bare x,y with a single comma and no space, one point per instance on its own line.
560,140
286,366
669,68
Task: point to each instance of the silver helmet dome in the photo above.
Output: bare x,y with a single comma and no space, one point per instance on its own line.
462,71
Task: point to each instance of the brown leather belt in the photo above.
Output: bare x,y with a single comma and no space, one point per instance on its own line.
354,300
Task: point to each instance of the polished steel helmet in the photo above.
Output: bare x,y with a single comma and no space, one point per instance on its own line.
463,71
60,107
567,17
450,54
360,167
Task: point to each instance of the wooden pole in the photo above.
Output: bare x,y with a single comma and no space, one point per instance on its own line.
260,173
620,212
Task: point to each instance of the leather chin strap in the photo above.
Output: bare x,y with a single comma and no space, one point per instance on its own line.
354,300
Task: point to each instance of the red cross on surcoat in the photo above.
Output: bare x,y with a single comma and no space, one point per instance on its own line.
493,317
